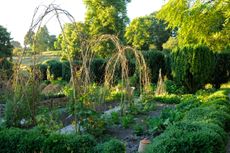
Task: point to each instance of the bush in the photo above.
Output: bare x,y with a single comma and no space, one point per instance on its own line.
112,146
30,141
155,61
57,143
97,68
173,88
193,66
200,127
190,137
222,69
66,72
6,68
167,99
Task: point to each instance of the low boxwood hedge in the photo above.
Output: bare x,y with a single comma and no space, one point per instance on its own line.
201,130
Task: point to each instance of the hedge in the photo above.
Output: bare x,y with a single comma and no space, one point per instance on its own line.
29,141
193,66
201,129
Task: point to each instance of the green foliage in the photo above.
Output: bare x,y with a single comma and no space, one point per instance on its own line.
57,143
127,120
6,68
173,88
222,69
106,17
30,141
71,38
5,46
41,40
115,117
146,31
97,68
193,66
167,99
190,137
155,61
138,129
171,43
112,146
199,21
200,127
53,69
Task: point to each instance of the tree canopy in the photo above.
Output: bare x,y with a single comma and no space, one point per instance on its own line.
147,30
199,21
42,39
106,17
70,39
5,45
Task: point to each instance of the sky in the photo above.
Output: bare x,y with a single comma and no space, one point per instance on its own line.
16,15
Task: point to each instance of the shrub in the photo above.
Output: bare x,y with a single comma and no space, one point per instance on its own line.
193,66
30,141
155,61
167,99
112,146
66,72
201,128
97,68
173,88
222,69
54,67
127,120
57,143
190,137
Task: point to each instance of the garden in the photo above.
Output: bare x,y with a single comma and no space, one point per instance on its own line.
106,85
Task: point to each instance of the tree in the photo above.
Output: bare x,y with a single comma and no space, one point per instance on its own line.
52,40
199,21
28,39
106,17
5,45
70,39
5,52
16,44
147,30
171,43
41,40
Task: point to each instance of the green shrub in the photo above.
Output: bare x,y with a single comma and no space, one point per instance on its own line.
222,69
6,68
198,125
138,129
190,137
155,61
167,99
57,143
97,68
54,67
173,88
30,141
127,120
112,146
193,66
66,72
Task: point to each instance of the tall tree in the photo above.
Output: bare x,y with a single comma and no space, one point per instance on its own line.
5,45
199,21
70,39
106,17
28,39
41,40
5,52
16,44
147,30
